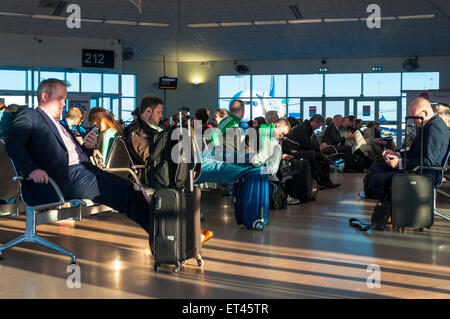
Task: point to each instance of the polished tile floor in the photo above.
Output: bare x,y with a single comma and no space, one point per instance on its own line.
307,251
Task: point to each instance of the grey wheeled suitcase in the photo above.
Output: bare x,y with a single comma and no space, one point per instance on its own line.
176,228
412,197
176,219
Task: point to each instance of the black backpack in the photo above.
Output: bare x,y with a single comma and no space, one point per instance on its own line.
160,169
278,197
358,163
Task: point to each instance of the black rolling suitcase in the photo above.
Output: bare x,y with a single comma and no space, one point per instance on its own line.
412,197
300,185
176,225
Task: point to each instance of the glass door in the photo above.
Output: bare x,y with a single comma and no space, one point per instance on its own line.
364,110
334,107
310,108
386,111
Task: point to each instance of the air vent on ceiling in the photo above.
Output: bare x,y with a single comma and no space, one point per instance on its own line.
56,5
411,64
241,68
296,11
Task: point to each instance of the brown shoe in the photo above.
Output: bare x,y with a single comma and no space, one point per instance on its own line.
206,235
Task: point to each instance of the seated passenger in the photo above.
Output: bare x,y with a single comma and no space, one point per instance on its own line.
74,118
334,138
271,117
202,114
301,142
109,129
219,116
435,143
41,148
143,130
232,121
443,110
349,128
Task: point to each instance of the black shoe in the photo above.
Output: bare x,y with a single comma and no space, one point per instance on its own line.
322,187
331,185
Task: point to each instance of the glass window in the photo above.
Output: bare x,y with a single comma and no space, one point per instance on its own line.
74,81
294,108
365,110
13,80
382,84
128,106
111,83
45,75
311,108
388,111
421,81
91,82
269,85
257,108
13,99
128,85
340,85
307,85
334,107
115,108
236,86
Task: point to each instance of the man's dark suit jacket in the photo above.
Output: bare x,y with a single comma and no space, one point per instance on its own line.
332,136
435,144
300,134
34,143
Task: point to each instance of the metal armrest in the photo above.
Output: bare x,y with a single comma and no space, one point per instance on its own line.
137,166
125,169
49,205
432,168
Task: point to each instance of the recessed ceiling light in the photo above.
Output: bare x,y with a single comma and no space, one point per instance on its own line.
342,20
234,24
12,14
305,21
425,16
92,20
121,22
47,17
270,22
153,24
203,25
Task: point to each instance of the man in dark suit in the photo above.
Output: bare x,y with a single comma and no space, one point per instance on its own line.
41,148
302,142
435,144
332,136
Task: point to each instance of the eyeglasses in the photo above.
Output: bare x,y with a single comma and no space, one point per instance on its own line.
419,113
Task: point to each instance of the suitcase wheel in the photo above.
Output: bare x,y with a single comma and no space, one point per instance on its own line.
200,261
259,226
156,267
177,267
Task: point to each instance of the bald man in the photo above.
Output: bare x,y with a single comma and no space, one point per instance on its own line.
435,144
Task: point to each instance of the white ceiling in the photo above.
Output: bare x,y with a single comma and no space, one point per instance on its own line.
428,37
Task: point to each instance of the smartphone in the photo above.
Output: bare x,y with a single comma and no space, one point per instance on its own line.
388,158
94,130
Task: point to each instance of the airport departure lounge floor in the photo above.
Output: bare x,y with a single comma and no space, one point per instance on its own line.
307,251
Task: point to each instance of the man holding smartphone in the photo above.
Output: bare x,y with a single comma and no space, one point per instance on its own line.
435,145
41,148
